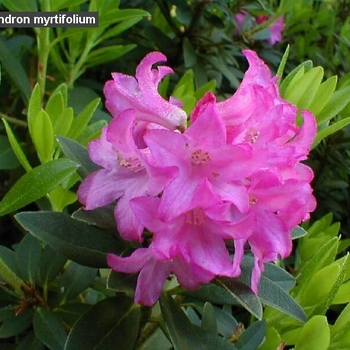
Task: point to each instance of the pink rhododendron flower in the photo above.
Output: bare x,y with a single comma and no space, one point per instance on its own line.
275,27
233,175
141,94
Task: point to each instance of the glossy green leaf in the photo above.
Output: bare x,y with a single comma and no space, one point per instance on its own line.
303,91
77,240
323,95
81,121
14,69
272,339
91,132
320,285
49,329
185,335
189,53
16,147
55,106
314,335
343,294
101,217
115,325
34,107
60,198
75,151
282,64
28,255
51,263
279,276
323,257
75,279
42,134
252,337
295,75
340,331
69,313
36,184
329,130
16,325
63,122
336,104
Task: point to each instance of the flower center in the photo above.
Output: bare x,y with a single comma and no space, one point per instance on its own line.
252,135
252,200
200,157
133,164
195,217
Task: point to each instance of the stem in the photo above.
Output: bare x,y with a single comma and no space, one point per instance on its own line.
43,40
14,121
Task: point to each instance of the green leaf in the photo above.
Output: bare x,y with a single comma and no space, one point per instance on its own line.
21,5
116,324
122,282
30,342
185,335
283,62
314,335
190,57
80,242
81,121
70,312
106,54
49,329
252,337
101,217
34,107
60,198
323,95
329,130
323,257
336,104
55,106
75,279
303,91
295,75
16,325
320,285
271,292
57,5
242,293
209,318
15,69
8,160
51,264
78,153
16,147
42,135
340,332
36,184
298,232
10,276
28,255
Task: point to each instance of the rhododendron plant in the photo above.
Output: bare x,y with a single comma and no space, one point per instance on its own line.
234,174
275,28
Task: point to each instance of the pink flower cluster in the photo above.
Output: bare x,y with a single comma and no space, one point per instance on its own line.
275,28
232,177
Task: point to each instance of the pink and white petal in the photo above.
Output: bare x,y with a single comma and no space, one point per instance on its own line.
99,189
151,281
130,264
